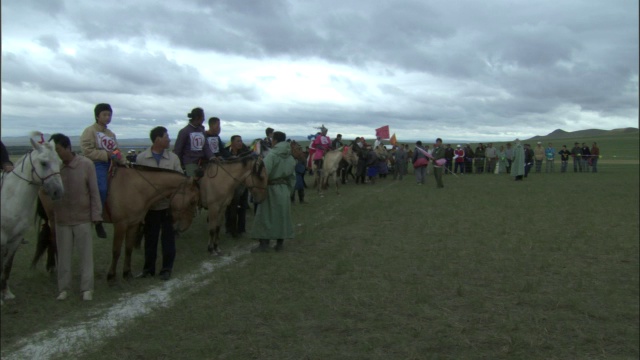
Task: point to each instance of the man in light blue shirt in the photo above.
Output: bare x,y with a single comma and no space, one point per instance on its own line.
549,154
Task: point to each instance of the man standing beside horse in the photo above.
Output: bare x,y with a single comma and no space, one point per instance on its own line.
273,218
74,212
158,222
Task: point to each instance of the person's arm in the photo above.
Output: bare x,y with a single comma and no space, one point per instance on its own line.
178,147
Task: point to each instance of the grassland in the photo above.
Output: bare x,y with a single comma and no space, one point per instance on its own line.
484,268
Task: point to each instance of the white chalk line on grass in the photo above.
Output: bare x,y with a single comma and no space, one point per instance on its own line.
73,340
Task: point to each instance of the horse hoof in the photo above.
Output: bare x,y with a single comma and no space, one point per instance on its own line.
127,275
9,296
111,278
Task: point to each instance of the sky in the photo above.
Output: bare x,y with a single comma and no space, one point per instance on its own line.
464,70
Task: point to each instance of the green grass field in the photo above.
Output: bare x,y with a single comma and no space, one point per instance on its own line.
486,268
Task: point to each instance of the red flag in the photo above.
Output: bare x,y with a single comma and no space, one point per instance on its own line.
393,140
383,132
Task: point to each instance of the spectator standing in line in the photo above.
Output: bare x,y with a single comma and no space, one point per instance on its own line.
491,155
468,159
576,153
538,154
438,166
501,165
400,157
595,155
74,212
479,163
420,162
550,155
528,159
190,142
448,154
586,155
459,158
518,164
509,155
564,158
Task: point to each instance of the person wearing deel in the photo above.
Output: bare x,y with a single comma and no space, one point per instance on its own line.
158,221
273,218
99,145
74,212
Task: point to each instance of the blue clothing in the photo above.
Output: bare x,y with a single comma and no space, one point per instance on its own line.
102,170
300,170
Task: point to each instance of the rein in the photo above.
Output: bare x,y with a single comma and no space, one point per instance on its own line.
241,181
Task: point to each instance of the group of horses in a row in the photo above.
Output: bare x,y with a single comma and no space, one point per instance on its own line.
132,191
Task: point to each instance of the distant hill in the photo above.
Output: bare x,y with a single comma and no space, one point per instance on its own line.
581,134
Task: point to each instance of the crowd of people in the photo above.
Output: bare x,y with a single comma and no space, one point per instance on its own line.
85,176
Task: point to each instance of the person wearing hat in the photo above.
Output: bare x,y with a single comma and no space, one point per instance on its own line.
99,144
321,144
538,155
458,157
576,153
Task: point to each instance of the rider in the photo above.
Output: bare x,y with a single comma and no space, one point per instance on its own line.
214,147
99,145
190,142
320,145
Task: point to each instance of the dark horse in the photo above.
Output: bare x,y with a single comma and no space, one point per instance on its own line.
132,191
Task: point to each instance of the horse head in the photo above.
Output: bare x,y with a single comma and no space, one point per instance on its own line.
257,181
184,204
45,167
297,152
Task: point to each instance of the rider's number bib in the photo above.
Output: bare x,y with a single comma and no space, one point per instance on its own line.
197,141
105,142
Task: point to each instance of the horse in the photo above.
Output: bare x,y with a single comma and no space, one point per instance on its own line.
349,160
132,191
182,211
217,188
40,167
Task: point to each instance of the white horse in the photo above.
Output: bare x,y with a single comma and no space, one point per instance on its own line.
40,167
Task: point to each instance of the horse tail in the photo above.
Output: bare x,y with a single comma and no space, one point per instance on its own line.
44,242
44,234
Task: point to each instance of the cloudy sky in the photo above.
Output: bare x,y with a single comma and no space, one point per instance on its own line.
466,70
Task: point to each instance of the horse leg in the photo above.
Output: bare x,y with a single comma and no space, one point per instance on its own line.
52,251
214,231
335,178
42,245
118,235
6,271
130,241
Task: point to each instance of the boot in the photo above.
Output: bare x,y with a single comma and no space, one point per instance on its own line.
100,231
263,247
279,245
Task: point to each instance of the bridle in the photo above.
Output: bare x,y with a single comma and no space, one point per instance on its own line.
33,172
255,169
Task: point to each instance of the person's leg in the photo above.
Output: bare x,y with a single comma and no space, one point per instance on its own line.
84,245
102,173
168,240
152,226
64,242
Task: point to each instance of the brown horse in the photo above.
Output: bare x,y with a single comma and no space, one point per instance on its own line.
218,185
132,191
